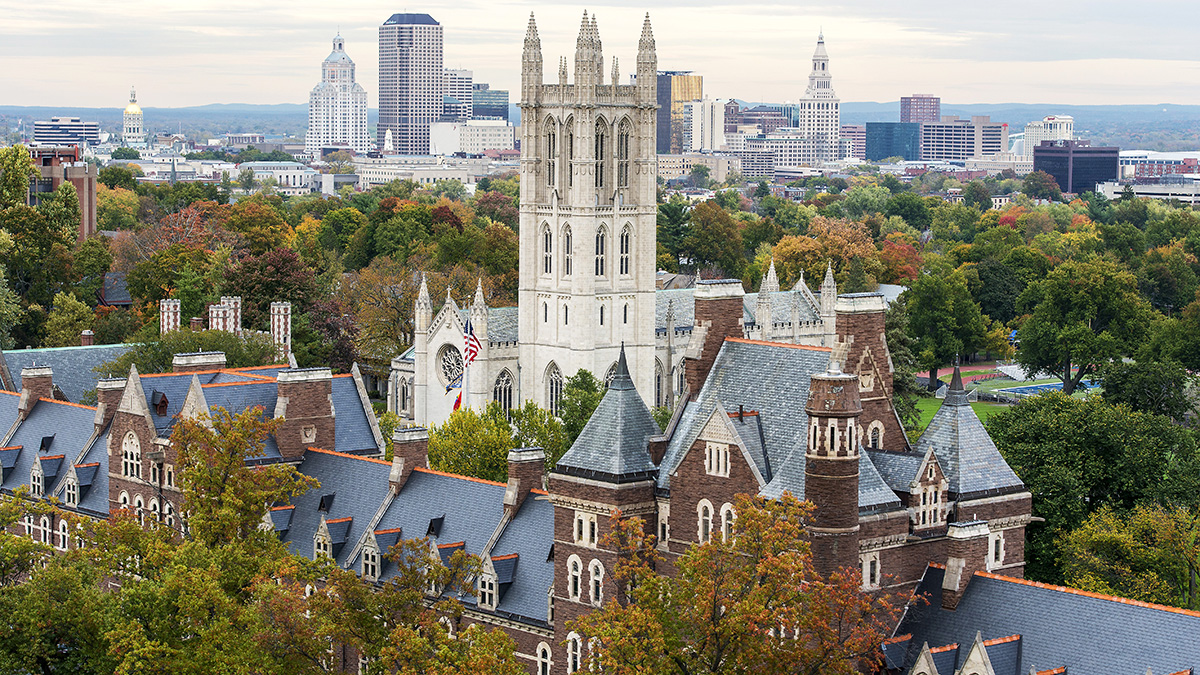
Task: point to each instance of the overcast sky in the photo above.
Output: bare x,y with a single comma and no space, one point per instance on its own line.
179,53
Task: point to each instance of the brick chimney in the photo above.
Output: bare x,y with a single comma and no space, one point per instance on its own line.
87,338
860,332
966,554
37,382
410,449
305,402
525,469
108,397
197,361
719,314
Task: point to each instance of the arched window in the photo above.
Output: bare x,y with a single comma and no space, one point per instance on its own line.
403,395
551,152
601,150
547,250
625,314
596,586
658,384
704,514
502,392
574,652
876,435
168,514
131,456
554,389
64,534
566,251
574,578
601,315
123,499
154,513
601,246
451,362
727,519
609,375
543,659
626,249
623,137
139,507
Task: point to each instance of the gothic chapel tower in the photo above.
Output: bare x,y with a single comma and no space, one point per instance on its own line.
587,228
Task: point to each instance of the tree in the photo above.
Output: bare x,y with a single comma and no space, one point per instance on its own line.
672,225
714,239
997,290
1079,455
275,276
154,354
40,262
535,427
976,194
900,343
1085,313
117,177
912,208
10,311
699,176
581,395
1041,185
16,170
499,207
1156,387
261,225
470,443
126,153
1151,554
68,318
945,321
116,209
92,261
749,603
865,200
246,179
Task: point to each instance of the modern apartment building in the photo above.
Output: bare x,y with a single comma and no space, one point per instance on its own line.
66,131
471,137
920,108
412,81
855,138
458,100
337,107
676,88
953,138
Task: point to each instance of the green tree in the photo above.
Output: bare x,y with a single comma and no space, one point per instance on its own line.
945,321
16,170
1078,455
62,211
450,188
470,443
699,176
126,153
714,239
1151,554
68,318
246,179
977,195
153,354
672,225
10,311
1041,185
92,261
1085,313
865,200
900,343
536,427
750,603
581,395
997,290
117,176
912,208
1156,387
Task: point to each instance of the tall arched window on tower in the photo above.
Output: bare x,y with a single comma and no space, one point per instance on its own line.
601,245
570,126
626,248
658,384
502,392
551,152
601,150
554,389
547,250
131,456
623,135
566,251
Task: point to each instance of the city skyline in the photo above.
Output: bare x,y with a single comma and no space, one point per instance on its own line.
219,52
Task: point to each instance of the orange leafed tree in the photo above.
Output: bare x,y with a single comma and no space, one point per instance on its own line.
749,604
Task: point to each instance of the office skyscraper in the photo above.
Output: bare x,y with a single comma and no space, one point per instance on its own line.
457,102
412,81
337,107
819,109
676,88
920,108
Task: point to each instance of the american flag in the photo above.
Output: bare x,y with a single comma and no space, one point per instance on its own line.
470,344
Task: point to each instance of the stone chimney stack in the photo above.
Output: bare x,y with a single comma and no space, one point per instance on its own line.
410,449
219,317
234,322
525,469
198,361
718,315
281,328
108,396
37,382
196,323
87,338
966,554
169,315
305,402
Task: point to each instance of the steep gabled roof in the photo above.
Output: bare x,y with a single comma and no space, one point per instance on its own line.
970,460
73,366
612,446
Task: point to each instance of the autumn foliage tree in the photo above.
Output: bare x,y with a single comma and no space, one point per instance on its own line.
749,604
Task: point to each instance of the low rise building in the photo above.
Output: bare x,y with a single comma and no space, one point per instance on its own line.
471,137
1149,164
1182,187
291,178
63,164
66,131
672,167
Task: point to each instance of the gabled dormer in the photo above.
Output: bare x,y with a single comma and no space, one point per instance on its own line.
331,536
927,505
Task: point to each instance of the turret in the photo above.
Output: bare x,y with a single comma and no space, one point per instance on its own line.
423,315
647,66
831,468
585,68
828,294
479,312
531,64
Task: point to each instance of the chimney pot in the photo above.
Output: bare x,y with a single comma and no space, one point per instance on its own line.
87,338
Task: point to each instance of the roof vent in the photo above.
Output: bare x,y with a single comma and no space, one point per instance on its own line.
550,555
160,402
47,441
435,526
326,502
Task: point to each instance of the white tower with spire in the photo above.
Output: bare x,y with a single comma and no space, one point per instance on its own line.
820,114
133,132
337,107
587,230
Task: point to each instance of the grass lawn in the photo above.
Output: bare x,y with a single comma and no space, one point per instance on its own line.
928,406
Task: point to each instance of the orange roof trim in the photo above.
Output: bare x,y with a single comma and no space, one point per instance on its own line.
74,405
56,457
391,530
84,466
234,384
1056,671
455,475
898,638
510,556
1089,594
1002,640
454,545
17,447
946,648
744,413
536,491
10,393
339,520
285,508
765,343
343,454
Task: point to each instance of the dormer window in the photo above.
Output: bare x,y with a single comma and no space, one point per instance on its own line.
370,564
322,546
71,496
37,481
131,456
487,591
160,402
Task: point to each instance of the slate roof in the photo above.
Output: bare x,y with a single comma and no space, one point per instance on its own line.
898,469
684,304
359,485
72,366
8,411
530,535
409,19
351,428
1087,633
503,323
93,500
70,425
612,444
115,292
970,460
